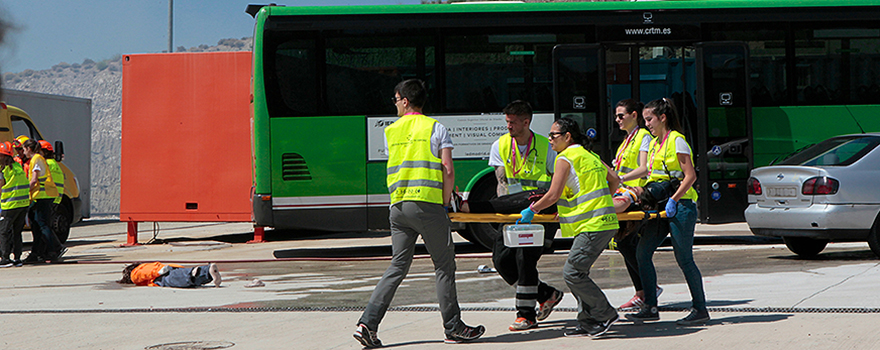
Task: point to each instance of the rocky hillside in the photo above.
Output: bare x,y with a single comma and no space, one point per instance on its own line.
101,82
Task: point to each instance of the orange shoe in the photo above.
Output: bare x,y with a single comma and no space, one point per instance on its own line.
522,324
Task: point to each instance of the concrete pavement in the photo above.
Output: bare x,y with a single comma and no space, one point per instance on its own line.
78,306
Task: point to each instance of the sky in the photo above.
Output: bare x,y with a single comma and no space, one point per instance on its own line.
49,32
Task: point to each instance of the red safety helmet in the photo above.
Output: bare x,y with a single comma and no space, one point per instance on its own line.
46,145
6,148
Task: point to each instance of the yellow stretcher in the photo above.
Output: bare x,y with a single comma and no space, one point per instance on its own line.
501,218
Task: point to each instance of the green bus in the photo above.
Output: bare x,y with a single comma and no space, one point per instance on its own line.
753,80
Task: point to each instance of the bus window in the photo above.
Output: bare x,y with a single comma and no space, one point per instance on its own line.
486,72
291,67
361,71
767,60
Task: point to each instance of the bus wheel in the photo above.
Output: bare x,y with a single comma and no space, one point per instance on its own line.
62,219
482,233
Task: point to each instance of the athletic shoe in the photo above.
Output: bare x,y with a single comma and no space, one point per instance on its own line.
645,314
577,332
547,306
466,334
694,318
17,263
598,330
215,274
637,301
522,324
457,201
33,259
5,263
366,337
632,304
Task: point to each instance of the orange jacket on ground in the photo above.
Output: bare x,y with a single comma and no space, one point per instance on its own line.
144,274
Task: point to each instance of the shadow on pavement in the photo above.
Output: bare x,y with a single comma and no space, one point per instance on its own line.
364,251
749,319
685,305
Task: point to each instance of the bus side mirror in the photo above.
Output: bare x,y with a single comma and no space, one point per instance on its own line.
59,150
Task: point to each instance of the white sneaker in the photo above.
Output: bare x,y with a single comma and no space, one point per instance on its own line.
215,274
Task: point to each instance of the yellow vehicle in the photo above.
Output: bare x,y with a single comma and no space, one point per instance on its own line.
13,122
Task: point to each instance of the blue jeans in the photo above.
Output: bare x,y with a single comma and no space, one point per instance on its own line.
46,244
681,227
182,277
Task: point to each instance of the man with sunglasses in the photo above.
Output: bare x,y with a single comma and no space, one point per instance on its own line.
523,162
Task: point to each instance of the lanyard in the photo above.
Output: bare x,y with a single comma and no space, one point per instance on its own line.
514,149
654,152
619,157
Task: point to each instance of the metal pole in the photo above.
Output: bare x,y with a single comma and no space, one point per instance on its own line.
170,26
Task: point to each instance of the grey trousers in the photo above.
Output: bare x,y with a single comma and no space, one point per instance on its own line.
593,306
408,221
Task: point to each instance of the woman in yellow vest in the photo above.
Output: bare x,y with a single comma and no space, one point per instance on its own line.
54,169
581,188
14,202
42,195
631,156
670,157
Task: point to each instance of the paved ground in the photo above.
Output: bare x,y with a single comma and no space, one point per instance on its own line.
761,296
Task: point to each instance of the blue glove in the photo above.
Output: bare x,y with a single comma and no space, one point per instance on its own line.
671,207
527,215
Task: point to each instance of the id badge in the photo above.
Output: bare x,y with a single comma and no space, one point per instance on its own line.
514,188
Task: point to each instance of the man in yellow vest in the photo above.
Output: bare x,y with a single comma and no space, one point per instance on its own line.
523,164
14,201
420,180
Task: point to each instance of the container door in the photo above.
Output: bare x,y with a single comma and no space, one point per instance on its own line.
724,152
579,91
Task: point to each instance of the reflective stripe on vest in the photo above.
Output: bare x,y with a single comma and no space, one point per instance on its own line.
14,193
46,188
531,173
628,159
591,209
414,173
57,177
665,154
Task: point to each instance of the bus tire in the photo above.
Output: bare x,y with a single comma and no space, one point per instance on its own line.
62,219
483,234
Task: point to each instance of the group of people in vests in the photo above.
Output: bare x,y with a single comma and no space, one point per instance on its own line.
32,185
546,174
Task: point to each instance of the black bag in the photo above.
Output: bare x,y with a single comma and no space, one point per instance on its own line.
657,193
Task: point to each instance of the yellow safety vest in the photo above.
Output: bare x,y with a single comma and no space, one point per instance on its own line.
14,193
57,177
663,153
46,188
414,173
590,209
531,173
628,156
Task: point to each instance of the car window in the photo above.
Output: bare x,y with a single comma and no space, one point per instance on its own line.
839,151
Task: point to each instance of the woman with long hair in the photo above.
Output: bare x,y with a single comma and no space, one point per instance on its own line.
670,157
581,188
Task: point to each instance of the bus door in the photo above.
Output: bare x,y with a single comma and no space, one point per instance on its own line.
724,124
579,91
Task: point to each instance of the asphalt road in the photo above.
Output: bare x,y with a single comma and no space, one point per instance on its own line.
759,294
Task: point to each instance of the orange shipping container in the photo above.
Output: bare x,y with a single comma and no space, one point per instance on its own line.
186,144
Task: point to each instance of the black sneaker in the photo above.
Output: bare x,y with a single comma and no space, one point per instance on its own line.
366,337
5,263
466,334
32,259
17,263
647,313
577,332
694,318
599,329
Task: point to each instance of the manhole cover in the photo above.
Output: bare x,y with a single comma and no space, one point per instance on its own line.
192,345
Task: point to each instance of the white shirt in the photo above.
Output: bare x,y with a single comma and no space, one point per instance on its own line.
572,180
681,146
496,160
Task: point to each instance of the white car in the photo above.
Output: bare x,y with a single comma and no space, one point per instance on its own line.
827,192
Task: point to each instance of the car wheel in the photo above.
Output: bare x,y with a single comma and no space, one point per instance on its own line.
61,221
805,247
874,237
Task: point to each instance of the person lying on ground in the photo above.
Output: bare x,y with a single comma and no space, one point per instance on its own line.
156,274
